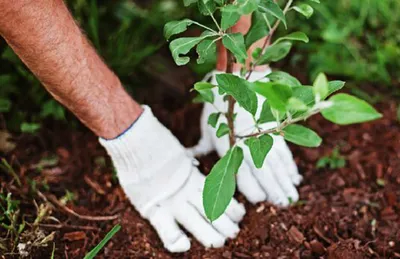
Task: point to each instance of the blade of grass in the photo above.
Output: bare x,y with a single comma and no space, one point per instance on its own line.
7,167
103,242
54,249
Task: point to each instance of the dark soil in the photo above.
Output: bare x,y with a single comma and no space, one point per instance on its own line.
352,212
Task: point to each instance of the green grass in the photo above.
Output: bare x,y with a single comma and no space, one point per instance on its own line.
102,243
356,39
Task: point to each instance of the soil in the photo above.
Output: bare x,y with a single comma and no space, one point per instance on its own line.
350,212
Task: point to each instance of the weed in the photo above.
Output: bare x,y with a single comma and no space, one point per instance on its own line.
333,161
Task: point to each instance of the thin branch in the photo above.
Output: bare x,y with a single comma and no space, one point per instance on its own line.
280,127
205,27
85,217
213,18
61,226
267,40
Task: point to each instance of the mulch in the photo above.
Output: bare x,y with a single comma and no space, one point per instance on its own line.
351,212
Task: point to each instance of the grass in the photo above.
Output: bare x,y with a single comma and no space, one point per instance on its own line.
102,243
356,39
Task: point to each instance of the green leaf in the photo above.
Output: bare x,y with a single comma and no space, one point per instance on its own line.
239,88
52,108
295,104
5,105
204,89
266,113
347,109
220,2
230,16
321,88
189,2
247,6
302,136
206,50
275,53
305,93
304,9
256,53
176,27
276,94
334,86
182,46
259,148
258,29
283,78
295,36
103,242
223,130
315,1
269,6
220,184
206,7
30,127
234,42
213,119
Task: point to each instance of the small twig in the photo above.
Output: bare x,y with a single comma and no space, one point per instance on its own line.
95,186
321,235
281,126
213,18
70,211
60,226
267,40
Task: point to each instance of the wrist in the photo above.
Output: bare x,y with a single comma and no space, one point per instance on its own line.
120,113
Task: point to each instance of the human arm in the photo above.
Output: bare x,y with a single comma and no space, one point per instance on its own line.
46,38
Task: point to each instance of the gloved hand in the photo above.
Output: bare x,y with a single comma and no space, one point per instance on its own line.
162,183
276,180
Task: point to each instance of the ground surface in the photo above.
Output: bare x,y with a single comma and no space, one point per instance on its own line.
343,213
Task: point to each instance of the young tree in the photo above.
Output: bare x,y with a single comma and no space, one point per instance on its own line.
287,100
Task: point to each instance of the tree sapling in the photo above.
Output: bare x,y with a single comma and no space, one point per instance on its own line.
287,100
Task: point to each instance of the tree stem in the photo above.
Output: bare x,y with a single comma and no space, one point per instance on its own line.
231,103
231,100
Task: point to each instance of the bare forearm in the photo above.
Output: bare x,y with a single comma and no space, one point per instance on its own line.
46,38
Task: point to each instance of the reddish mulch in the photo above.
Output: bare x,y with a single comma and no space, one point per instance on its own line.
343,213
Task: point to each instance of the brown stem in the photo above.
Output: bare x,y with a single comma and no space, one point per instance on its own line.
231,103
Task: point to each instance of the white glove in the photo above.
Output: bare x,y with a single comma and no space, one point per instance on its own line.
162,183
276,180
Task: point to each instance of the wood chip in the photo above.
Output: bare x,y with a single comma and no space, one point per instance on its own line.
317,247
261,208
94,185
295,235
74,236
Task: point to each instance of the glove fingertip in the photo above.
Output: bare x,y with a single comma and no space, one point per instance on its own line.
182,244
